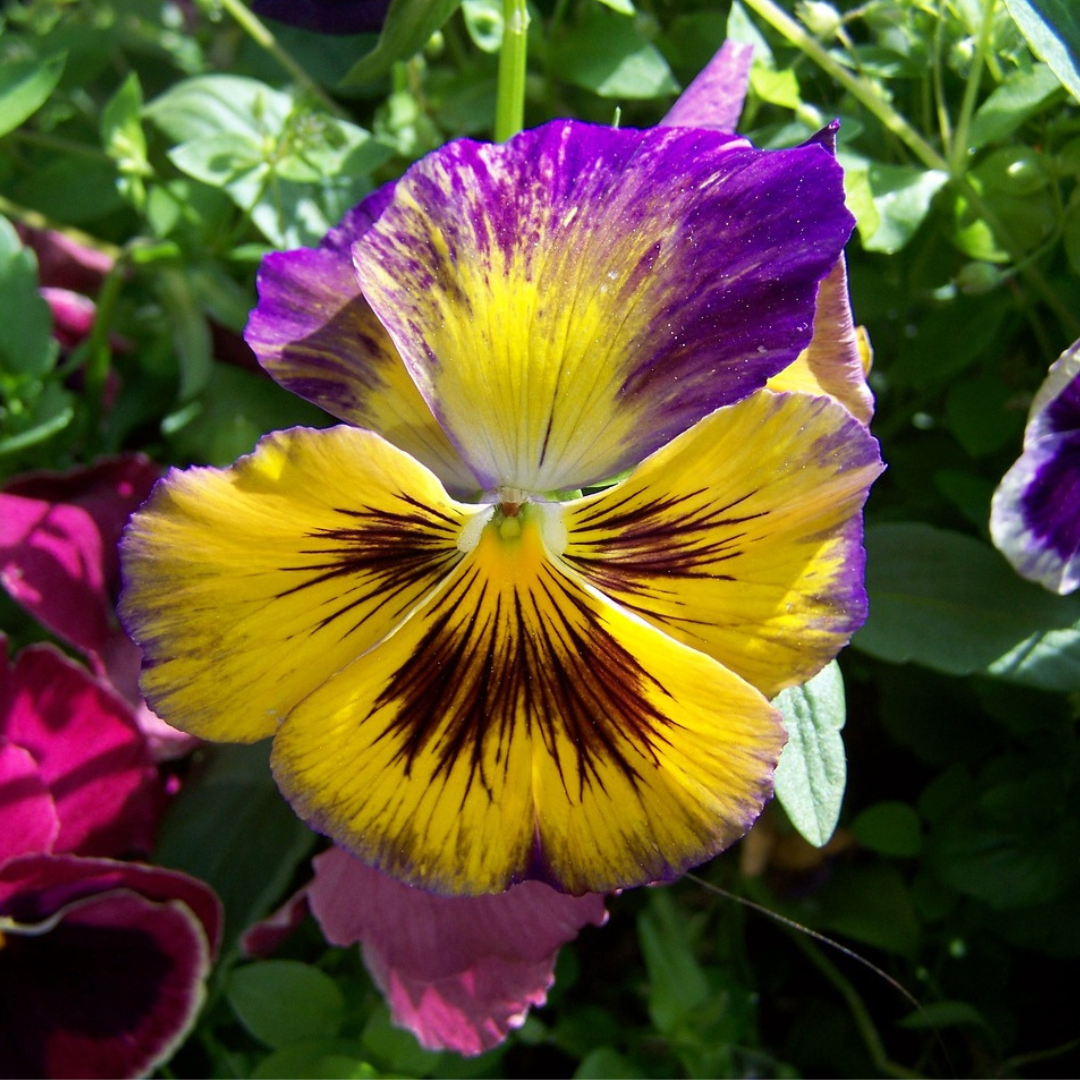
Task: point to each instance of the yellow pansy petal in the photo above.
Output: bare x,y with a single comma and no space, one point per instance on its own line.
519,725
752,552
837,360
248,587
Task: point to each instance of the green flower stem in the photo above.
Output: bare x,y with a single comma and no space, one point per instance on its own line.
257,30
510,103
958,152
859,88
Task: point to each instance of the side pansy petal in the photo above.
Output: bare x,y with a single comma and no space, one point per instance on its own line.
521,726
315,334
248,587
742,537
1035,513
570,300
837,360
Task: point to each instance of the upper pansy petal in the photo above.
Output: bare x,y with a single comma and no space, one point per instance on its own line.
742,537
459,972
248,587
715,98
315,334
838,357
520,726
1035,513
570,300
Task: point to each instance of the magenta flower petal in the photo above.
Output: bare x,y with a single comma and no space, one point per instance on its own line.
103,965
28,819
88,750
1035,515
458,972
715,98
58,537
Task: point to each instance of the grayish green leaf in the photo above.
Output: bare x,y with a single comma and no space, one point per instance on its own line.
812,771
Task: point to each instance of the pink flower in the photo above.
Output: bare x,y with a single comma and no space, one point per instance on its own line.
58,561
102,962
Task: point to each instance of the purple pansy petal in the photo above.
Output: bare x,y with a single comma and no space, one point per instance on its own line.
715,98
28,820
458,972
89,752
58,537
115,981
326,16
569,301
315,334
1035,514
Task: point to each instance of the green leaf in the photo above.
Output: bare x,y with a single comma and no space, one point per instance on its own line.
902,196
677,985
230,827
25,85
1019,97
191,331
605,1063
889,828
1052,29
27,348
121,129
326,1059
812,771
408,27
608,55
952,603
397,1049
870,903
284,1001
216,104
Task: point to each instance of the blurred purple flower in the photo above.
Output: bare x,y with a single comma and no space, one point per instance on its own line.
102,962
326,16
1035,514
58,561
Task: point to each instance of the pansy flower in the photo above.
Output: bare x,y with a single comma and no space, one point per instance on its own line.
1035,513
480,659
102,961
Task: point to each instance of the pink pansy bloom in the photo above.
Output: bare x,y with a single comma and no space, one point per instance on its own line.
58,561
102,962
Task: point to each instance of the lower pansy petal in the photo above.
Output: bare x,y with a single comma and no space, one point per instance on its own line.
1034,518
248,587
752,550
521,726
105,981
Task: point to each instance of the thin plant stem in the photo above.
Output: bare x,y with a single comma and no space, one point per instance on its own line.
958,151
510,103
257,30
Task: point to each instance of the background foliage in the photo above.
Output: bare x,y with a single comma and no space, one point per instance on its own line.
184,142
